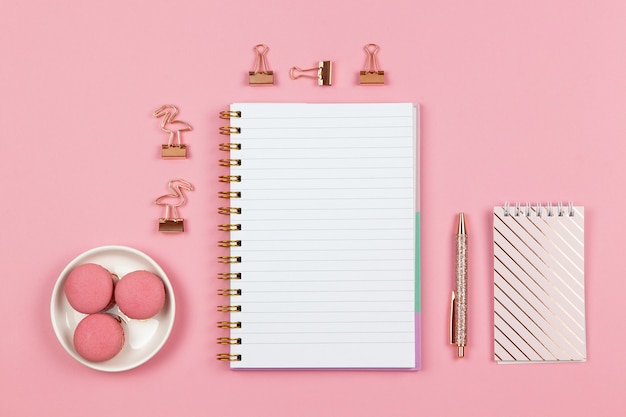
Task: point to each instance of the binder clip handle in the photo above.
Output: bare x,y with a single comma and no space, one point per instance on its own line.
371,63
261,74
371,74
261,62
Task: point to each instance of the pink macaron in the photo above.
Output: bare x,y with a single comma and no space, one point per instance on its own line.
99,337
140,294
89,288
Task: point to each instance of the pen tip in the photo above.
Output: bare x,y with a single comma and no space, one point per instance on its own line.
461,228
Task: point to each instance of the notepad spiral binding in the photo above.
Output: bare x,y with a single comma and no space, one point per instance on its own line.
228,243
535,210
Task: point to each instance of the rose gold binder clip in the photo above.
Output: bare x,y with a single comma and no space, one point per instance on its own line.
261,75
170,125
323,73
171,222
371,75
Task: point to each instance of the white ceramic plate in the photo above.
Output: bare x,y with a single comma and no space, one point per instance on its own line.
144,338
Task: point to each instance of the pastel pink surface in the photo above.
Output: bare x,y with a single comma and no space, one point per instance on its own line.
98,337
519,101
89,288
140,294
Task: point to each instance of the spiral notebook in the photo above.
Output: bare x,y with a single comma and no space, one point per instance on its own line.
539,283
322,229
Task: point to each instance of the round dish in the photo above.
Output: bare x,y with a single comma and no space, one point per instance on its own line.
144,338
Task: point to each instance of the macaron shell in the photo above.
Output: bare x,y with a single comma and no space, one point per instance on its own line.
98,337
89,288
140,295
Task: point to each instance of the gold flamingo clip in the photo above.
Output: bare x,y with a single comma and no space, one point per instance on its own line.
171,222
323,73
371,75
173,127
261,75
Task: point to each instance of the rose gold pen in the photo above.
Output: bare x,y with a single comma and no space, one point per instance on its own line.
458,303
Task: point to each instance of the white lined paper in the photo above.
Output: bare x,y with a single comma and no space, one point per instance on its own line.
328,202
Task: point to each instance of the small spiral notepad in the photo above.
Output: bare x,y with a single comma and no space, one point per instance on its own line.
322,217
539,283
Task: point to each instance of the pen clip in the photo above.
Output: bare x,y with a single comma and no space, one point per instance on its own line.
452,319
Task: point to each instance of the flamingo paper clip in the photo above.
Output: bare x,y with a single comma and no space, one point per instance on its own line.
170,125
171,202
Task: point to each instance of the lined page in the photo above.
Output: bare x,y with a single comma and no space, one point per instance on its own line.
328,235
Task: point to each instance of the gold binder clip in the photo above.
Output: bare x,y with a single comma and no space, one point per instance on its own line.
170,125
371,75
323,73
171,202
261,75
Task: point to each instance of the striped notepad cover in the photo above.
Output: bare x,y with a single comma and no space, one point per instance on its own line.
539,288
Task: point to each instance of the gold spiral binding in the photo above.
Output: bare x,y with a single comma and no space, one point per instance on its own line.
228,309
228,357
230,178
229,194
228,243
228,227
229,114
228,292
230,130
227,276
230,162
229,259
230,147
229,340
229,325
229,210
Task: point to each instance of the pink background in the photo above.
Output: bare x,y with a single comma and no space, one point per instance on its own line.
521,101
